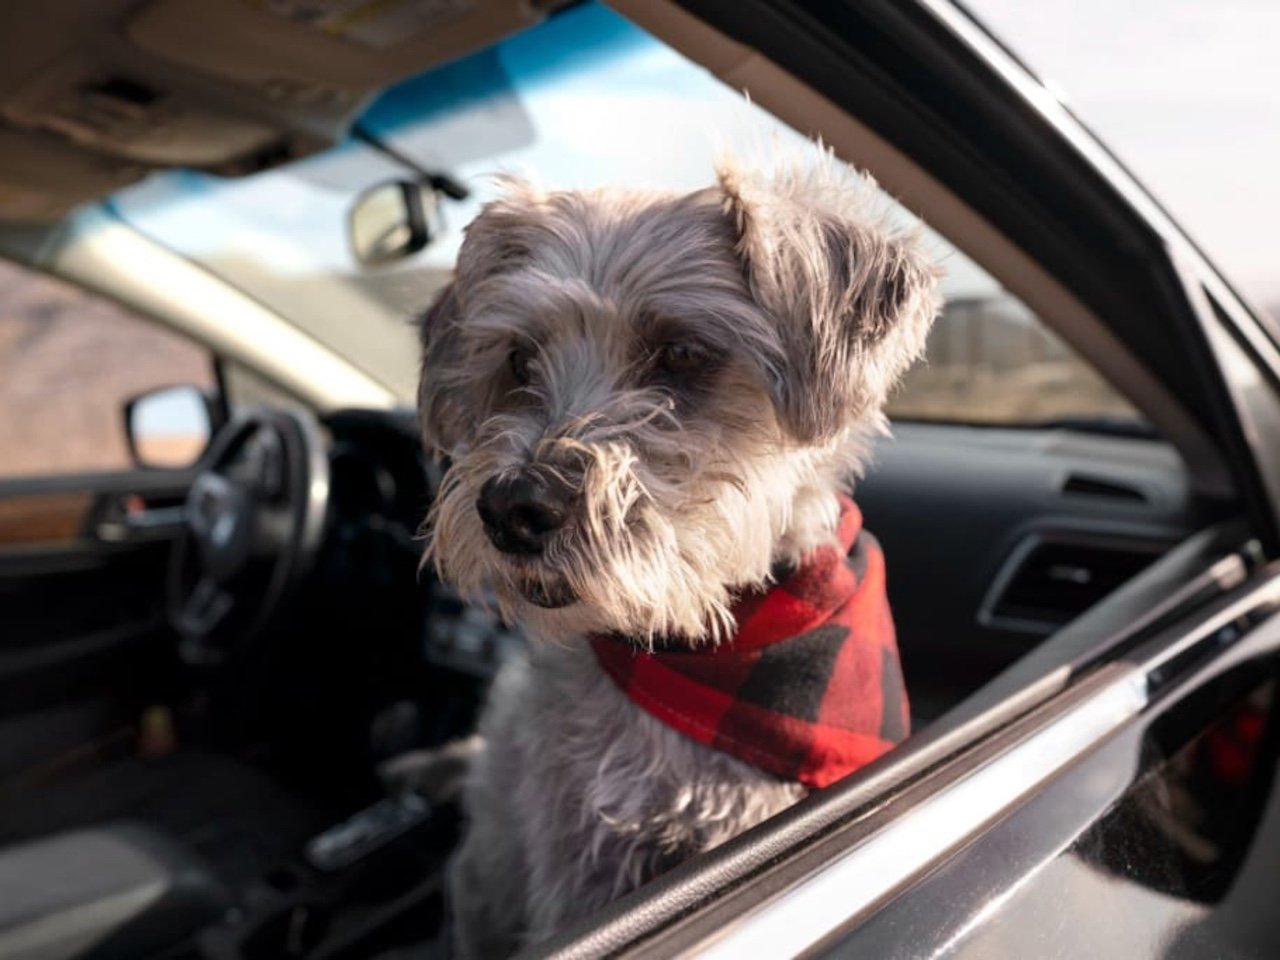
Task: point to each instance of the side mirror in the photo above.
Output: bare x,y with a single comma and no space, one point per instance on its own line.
169,428
392,221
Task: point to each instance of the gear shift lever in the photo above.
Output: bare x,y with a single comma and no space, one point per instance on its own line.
367,831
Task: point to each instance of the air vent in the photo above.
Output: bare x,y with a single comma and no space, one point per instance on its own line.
1086,486
1054,583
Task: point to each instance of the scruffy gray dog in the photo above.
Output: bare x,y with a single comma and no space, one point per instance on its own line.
649,403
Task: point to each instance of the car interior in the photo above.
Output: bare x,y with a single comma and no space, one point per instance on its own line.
201,688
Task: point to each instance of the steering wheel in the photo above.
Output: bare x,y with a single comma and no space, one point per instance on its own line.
255,519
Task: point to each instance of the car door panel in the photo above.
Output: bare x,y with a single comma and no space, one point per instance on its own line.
42,518
82,572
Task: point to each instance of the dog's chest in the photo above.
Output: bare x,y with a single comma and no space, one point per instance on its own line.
603,795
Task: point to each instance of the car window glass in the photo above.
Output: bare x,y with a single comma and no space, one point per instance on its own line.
69,361
582,100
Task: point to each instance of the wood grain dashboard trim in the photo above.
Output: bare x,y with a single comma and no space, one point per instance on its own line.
43,518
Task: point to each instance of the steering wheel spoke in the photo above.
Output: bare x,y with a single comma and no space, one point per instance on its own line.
255,519
206,606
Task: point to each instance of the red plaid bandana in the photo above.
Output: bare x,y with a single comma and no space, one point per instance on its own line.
809,688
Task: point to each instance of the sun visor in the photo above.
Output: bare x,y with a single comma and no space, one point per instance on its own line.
322,53
118,108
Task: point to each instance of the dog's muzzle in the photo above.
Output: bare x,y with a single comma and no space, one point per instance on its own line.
521,511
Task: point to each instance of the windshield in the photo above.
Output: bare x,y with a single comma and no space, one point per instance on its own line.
585,99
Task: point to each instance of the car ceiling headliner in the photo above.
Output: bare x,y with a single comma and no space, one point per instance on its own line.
94,96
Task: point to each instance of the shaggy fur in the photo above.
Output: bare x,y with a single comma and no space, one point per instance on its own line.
790,309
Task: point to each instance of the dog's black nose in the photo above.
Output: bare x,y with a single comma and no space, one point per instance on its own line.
520,511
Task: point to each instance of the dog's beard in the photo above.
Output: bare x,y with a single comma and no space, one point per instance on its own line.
668,525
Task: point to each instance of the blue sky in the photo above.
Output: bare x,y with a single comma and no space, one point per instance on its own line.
1187,92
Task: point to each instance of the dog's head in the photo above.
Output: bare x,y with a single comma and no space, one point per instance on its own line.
647,400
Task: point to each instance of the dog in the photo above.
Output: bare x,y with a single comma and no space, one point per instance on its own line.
650,405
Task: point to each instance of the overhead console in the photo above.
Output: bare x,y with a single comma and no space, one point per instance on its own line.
94,96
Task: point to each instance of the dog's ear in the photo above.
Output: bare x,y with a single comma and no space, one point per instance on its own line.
852,298
503,233
441,410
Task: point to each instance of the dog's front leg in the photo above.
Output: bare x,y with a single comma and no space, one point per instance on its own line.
489,872
485,898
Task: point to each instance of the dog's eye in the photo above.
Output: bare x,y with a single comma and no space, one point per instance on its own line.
520,361
682,357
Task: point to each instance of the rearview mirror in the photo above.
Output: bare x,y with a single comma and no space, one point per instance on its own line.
169,428
392,221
